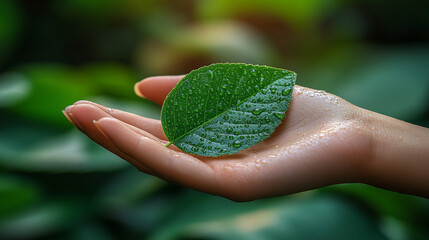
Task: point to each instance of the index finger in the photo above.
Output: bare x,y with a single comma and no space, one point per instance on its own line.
156,88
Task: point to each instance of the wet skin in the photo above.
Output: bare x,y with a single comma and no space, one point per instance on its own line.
323,140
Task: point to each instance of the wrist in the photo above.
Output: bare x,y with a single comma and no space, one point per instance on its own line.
398,157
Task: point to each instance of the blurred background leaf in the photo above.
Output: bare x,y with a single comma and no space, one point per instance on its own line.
55,183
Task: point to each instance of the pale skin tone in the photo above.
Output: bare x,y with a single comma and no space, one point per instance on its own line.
323,140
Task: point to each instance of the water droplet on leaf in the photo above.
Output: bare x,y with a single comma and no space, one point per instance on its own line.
286,92
279,115
257,111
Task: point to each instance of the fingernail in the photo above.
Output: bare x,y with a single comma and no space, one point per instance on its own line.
137,90
69,108
100,129
72,118
103,108
68,117
83,102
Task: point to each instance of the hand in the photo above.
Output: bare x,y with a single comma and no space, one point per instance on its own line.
321,141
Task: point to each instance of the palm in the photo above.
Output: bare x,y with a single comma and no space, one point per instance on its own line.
313,147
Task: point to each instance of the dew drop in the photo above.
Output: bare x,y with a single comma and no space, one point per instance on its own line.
226,117
273,90
229,130
264,91
236,144
236,132
286,92
279,115
257,111
231,137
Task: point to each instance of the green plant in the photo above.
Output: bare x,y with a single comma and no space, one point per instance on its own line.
224,108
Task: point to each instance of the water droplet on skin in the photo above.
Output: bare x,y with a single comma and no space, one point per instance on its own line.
286,92
279,115
236,144
229,130
257,111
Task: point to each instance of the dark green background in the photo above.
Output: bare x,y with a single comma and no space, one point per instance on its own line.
57,184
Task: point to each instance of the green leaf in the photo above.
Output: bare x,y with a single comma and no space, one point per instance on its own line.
224,108
14,87
16,194
48,218
26,146
299,216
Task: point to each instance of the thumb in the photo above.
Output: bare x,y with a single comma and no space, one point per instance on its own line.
156,88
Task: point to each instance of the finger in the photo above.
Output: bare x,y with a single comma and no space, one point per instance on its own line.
82,116
169,164
156,88
152,126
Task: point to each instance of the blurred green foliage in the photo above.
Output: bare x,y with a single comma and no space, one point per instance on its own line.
56,184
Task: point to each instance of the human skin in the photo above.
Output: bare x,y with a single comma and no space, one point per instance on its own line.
323,140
